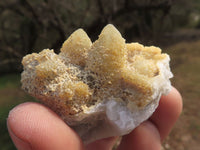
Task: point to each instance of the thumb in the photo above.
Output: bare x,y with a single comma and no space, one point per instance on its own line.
34,126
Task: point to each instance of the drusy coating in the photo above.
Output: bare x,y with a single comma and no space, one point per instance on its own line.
84,73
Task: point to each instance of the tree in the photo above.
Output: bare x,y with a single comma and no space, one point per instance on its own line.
28,26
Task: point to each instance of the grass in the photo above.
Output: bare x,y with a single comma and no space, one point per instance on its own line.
10,81
5,141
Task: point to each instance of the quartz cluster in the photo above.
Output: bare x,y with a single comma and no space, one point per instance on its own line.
100,89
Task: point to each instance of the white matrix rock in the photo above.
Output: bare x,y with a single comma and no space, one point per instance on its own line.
100,89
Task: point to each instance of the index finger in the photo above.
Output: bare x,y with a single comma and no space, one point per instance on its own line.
169,109
150,133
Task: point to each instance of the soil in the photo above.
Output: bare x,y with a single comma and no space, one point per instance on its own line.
186,68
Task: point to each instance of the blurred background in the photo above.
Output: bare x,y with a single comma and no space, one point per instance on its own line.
28,26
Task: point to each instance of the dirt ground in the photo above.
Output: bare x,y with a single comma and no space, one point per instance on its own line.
186,68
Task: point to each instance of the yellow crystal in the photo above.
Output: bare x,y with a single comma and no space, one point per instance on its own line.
86,73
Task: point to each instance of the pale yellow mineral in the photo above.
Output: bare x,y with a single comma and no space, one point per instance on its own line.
85,73
76,48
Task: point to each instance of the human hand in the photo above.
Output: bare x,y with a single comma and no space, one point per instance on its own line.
33,126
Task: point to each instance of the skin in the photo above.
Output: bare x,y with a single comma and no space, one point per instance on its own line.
33,126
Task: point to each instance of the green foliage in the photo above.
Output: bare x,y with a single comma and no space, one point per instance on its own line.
29,26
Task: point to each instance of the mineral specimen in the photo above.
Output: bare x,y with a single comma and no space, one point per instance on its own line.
100,89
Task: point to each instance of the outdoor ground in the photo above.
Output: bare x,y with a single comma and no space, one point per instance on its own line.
185,65
186,68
